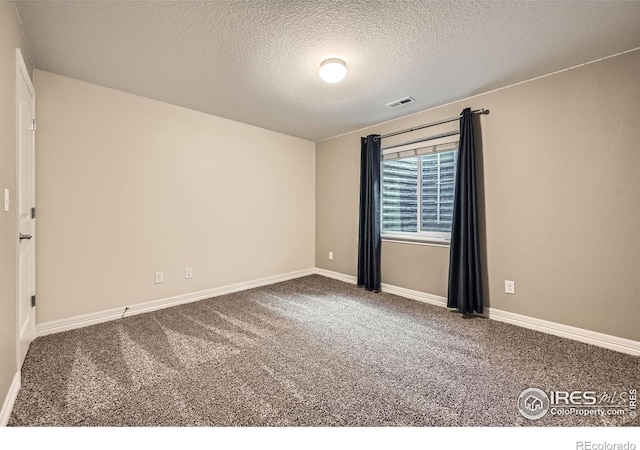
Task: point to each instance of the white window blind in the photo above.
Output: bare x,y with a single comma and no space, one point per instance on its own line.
418,183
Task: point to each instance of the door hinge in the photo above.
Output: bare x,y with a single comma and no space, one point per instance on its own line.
33,124
33,301
33,212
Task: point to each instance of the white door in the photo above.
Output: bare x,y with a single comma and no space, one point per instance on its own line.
25,139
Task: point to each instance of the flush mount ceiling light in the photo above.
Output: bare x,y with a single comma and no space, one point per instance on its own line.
332,70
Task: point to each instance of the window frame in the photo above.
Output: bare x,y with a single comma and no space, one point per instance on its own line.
438,238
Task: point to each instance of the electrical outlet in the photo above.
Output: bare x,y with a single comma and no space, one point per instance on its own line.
159,277
188,272
330,255
510,287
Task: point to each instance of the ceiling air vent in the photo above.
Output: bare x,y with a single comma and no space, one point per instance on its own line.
402,101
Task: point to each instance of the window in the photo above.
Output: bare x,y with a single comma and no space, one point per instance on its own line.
417,192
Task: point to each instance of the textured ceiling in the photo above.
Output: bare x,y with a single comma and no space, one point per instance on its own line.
257,61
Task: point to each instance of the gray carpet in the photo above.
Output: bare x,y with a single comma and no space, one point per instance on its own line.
307,352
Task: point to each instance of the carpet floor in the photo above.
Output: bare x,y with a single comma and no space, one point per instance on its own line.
308,352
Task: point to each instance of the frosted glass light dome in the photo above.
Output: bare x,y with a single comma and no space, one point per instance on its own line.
332,70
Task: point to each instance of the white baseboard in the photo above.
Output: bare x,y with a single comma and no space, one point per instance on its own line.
388,288
10,400
415,295
85,320
336,275
557,329
578,334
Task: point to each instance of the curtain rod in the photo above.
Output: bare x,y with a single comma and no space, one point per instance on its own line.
432,124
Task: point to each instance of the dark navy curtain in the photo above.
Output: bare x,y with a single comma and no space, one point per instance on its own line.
465,281
369,244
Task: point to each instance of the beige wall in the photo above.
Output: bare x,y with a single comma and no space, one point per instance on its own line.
561,162
10,39
128,186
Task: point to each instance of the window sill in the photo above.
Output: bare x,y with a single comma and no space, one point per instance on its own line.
416,240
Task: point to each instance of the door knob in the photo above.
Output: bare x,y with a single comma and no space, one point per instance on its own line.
25,236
